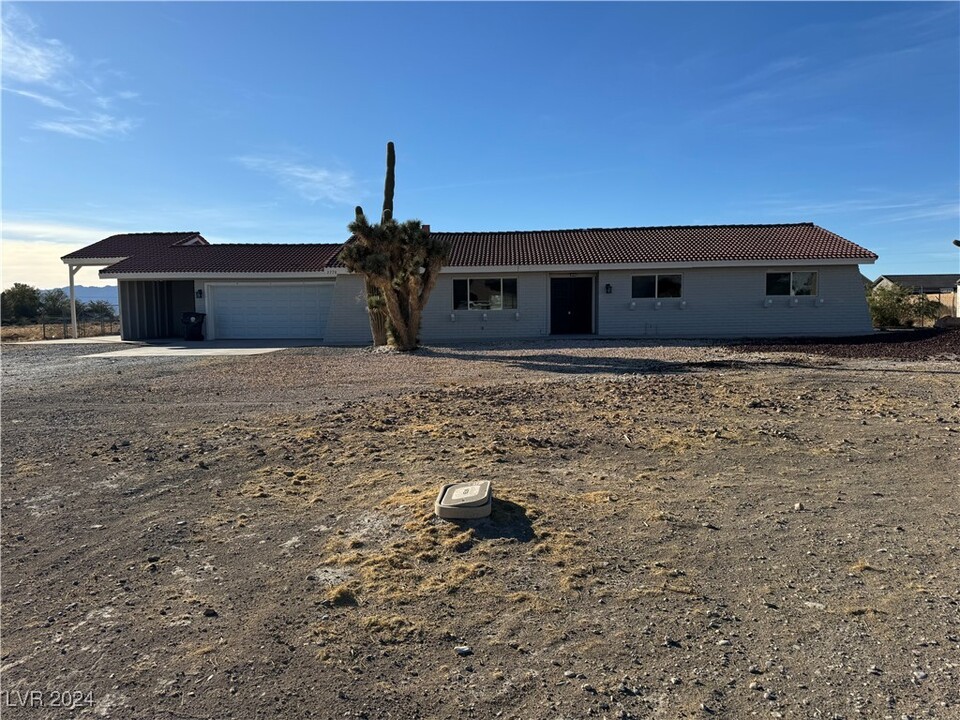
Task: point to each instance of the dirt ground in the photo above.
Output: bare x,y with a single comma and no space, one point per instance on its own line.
681,531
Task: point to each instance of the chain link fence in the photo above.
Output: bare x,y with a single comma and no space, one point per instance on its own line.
90,323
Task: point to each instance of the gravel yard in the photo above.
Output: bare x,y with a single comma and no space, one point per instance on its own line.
680,531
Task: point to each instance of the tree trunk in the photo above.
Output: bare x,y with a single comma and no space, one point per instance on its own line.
399,323
378,318
378,326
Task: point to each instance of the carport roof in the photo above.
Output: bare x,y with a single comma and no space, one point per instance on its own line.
129,244
230,258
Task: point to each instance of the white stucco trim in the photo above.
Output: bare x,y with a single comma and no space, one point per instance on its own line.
329,273
91,261
476,270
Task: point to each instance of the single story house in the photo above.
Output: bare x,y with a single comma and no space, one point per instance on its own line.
667,282
943,289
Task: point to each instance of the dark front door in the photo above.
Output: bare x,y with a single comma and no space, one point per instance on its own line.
571,305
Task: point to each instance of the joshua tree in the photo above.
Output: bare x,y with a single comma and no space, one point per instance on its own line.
400,264
376,306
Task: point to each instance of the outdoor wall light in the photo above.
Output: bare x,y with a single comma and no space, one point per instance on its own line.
657,305
453,317
516,316
608,289
483,317
819,301
768,302
683,304
199,294
794,302
633,305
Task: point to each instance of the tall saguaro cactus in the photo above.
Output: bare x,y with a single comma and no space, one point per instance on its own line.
375,302
400,264
388,184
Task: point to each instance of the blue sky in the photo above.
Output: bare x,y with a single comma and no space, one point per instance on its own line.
259,122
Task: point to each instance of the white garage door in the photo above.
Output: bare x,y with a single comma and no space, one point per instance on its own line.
246,311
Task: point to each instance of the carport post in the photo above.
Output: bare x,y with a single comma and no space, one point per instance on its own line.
73,300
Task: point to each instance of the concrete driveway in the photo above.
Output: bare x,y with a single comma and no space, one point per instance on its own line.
205,348
94,340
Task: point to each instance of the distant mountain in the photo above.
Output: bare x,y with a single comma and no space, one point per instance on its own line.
86,293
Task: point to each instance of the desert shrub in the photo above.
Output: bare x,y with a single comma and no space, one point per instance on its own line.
889,305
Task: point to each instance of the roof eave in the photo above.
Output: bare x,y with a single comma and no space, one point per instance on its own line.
212,275
587,267
67,260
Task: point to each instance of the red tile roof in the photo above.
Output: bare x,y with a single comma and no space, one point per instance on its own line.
231,258
670,244
129,244
165,252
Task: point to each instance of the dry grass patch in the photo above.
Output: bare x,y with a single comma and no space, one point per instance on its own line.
534,602
299,487
392,629
599,496
659,590
341,596
862,566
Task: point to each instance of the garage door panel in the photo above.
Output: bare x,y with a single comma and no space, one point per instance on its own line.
270,311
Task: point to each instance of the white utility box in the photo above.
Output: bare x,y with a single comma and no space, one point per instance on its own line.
464,500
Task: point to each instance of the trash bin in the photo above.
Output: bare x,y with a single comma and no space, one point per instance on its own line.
193,325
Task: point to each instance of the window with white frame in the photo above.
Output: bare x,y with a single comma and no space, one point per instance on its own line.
796,283
485,294
656,286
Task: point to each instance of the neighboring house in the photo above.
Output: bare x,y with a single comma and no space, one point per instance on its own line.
938,288
679,281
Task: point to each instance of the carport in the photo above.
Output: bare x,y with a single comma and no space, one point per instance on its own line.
248,291
145,307
152,309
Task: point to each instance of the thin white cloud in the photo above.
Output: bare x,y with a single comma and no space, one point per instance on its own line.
520,179
767,72
45,71
38,264
45,100
236,223
108,101
796,88
312,183
31,252
879,208
27,57
96,126
30,230
918,20
944,211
